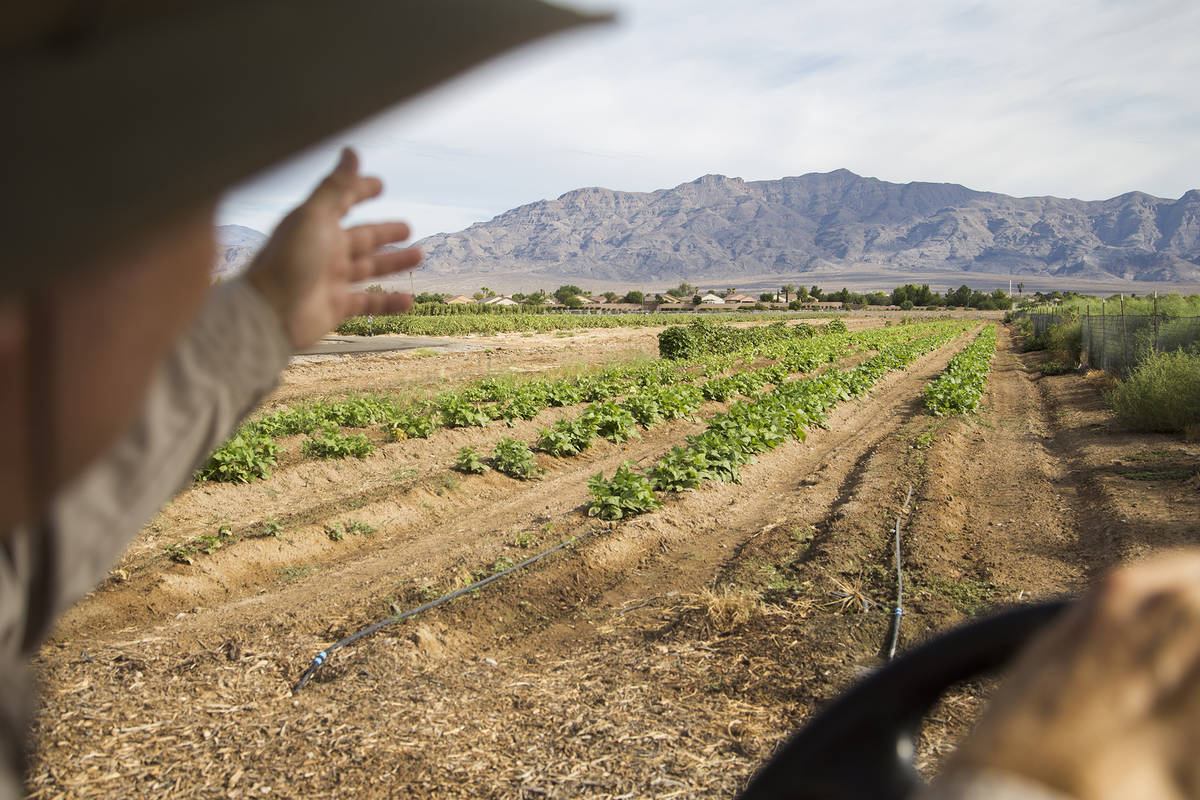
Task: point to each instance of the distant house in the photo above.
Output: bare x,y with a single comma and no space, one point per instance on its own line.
500,300
711,299
598,298
460,299
588,301
740,298
673,307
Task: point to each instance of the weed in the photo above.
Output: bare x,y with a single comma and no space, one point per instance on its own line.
1161,394
290,574
272,527
970,596
524,540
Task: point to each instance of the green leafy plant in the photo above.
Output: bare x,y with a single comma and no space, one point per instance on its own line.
409,425
458,412
959,388
249,455
610,421
329,442
470,462
626,494
566,437
1161,394
515,460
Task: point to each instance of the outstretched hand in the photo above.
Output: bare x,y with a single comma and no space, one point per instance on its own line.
306,270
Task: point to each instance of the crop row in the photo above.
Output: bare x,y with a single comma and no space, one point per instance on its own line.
253,450
459,324
748,428
959,388
650,406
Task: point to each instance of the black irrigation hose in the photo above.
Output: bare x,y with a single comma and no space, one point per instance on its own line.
323,656
898,612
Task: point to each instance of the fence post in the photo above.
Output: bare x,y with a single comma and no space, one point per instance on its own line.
1088,347
1103,337
1124,339
1156,320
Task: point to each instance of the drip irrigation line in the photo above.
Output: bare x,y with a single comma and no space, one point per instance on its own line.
898,611
320,658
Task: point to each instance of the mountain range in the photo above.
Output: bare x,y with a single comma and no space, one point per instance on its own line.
736,231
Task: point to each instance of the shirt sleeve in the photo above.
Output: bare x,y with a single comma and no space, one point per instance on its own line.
225,364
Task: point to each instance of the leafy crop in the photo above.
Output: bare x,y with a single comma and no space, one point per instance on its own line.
515,460
610,421
245,457
458,412
959,388
627,493
566,437
470,462
409,425
329,442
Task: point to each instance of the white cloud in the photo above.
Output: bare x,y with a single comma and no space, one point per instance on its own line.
1089,99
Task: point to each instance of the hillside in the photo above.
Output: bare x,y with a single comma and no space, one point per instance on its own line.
726,228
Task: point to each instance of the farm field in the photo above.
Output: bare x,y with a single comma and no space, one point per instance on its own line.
662,654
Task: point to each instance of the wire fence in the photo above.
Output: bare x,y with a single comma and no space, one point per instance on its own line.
1115,341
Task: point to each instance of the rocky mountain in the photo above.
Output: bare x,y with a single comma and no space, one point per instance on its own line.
236,246
727,228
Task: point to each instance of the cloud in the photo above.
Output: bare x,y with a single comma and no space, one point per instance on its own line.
1083,98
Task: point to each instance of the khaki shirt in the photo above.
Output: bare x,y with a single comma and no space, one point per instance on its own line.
222,368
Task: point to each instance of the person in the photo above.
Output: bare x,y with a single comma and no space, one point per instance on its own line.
122,368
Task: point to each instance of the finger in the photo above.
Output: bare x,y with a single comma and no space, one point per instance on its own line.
366,239
381,264
344,188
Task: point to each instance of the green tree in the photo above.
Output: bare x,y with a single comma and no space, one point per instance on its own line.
816,293
430,297
802,294
611,296
767,297
682,290
564,294
534,299
788,290
634,297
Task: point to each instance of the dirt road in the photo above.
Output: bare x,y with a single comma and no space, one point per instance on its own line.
665,656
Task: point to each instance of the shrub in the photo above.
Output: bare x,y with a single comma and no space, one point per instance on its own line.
677,343
1161,394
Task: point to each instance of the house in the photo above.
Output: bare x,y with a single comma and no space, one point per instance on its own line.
500,300
740,298
711,299
597,298
460,299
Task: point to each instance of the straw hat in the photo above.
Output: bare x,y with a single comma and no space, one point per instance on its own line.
121,113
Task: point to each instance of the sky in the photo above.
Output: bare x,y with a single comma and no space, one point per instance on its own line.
1073,98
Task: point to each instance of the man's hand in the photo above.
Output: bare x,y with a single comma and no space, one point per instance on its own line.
306,270
1106,704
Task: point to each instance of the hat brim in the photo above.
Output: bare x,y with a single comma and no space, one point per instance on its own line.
114,130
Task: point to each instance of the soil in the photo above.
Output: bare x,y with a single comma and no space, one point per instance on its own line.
664,656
